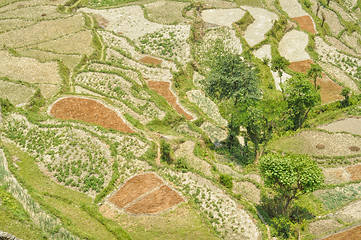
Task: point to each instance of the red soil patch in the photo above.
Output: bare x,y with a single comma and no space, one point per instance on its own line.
329,90
90,111
151,61
145,193
134,188
305,23
352,234
355,172
159,200
301,66
163,89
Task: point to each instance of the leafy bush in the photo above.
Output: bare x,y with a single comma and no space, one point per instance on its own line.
165,151
182,164
6,105
226,180
282,227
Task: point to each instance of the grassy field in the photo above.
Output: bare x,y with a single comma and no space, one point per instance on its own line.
182,222
11,91
77,209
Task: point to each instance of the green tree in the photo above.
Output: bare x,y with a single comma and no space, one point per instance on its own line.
315,72
346,93
264,119
301,97
279,64
290,176
166,152
233,79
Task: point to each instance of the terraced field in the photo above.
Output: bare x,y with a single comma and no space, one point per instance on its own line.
109,129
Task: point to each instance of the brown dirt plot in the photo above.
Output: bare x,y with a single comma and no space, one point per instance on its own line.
329,90
88,110
163,89
305,23
352,234
160,199
145,194
301,66
355,172
151,61
135,188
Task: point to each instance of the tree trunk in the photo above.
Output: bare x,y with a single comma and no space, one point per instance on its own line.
259,153
318,8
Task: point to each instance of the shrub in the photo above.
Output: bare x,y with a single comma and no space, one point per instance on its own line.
6,105
226,180
165,151
182,164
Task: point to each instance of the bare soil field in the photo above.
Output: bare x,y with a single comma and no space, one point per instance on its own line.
145,194
163,89
340,76
292,8
305,142
355,172
134,188
216,134
263,22
151,61
350,125
88,110
352,234
292,46
222,17
323,226
128,20
329,90
305,23
301,66
336,175
157,201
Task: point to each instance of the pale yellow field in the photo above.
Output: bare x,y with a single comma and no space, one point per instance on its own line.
78,43
33,13
41,32
28,70
69,60
9,24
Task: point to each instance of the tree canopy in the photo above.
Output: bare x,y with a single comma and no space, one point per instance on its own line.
290,176
301,97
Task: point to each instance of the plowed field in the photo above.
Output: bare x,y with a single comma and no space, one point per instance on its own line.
90,111
145,194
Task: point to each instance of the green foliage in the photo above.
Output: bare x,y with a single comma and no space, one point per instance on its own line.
245,21
166,152
104,3
226,180
315,72
290,176
282,226
181,163
279,64
279,28
11,205
346,93
263,120
6,106
301,97
233,79
36,102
